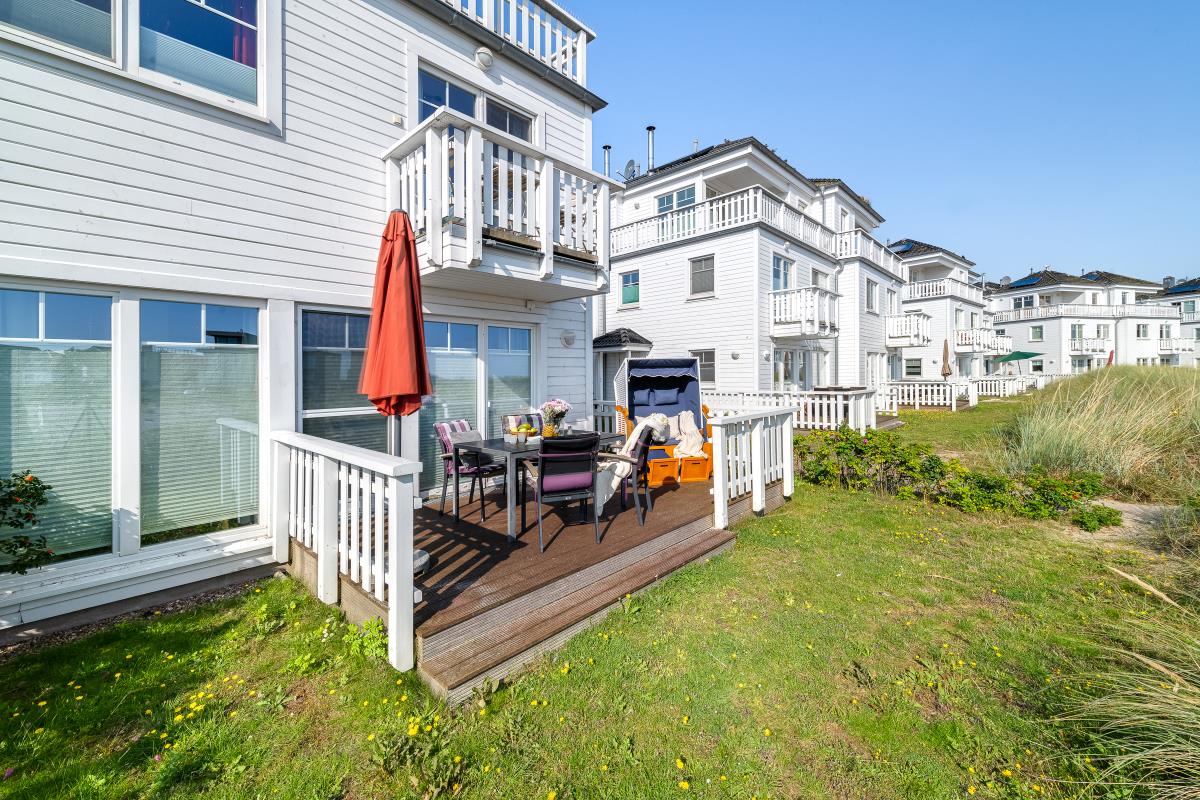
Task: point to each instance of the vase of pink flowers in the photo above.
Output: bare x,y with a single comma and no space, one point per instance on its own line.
553,412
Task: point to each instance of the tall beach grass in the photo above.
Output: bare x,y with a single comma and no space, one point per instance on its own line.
1139,427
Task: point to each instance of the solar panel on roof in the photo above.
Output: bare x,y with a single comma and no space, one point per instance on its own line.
904,248
1026,281
1091,276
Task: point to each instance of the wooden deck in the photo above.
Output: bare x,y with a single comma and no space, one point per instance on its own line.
489,605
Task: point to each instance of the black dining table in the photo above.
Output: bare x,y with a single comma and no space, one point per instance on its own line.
512,454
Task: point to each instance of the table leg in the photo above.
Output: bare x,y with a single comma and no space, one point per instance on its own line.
510,489
454,464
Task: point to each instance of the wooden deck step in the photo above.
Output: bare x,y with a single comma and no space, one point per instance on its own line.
523,635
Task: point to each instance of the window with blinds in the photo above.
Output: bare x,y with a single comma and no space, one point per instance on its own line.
199,419
85,24
509,375
56,412
332,347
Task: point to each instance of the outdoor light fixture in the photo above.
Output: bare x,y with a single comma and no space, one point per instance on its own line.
484,58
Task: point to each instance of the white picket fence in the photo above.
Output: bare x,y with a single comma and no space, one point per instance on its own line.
353,508
825,410
930,394
751,450
998,386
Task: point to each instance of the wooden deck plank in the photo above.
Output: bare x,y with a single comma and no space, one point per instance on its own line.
475,568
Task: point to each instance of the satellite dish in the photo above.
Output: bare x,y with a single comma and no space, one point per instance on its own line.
630,170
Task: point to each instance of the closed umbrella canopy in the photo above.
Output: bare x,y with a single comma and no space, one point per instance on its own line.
947,370
395,373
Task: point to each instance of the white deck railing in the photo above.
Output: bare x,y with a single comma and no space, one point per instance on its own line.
1088,311
1090,345
608,420
807,311
455,169
982,340
944,287
541,29
860,244
1178,344
1189,316
942,394
909,329
825,410
353,508
751,450
998,386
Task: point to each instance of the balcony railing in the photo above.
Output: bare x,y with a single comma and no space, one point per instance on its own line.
981,340
860,244
1189,316
1088,311
1090,345
456,170
945,287
1176,344
907,330
540,29
743,207
807,311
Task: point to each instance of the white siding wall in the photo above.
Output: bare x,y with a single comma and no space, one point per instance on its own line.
109,181
676,325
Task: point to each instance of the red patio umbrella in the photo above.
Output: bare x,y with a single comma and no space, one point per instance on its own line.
395,373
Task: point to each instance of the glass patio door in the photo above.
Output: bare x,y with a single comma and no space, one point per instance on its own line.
509,374
452,349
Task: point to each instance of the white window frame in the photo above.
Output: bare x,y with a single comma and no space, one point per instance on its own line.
621,289
1037,365
909,362
1041,333
510,109
1142,331
442,75
673,197
871,299
778,259
125,60
322,413
692,293
695,354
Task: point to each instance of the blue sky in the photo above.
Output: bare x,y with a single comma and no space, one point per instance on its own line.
1018,133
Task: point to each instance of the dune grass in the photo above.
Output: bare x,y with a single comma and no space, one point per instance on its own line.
850,646
1139,427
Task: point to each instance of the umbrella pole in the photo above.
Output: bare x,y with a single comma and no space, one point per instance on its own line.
393,435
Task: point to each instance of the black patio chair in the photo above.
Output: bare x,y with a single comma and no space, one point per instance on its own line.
564,471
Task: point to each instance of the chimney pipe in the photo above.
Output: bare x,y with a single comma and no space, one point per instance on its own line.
649,147
607,154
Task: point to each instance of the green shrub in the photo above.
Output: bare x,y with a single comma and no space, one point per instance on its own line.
882,461
369,640
1093,516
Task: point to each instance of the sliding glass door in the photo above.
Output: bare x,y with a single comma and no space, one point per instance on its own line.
453,351
509,374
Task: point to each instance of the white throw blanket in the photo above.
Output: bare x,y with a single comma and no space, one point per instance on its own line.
691,441
612,472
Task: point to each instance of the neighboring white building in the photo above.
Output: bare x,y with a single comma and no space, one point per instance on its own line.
942,305
1081,322
771,279
1185,296
188,231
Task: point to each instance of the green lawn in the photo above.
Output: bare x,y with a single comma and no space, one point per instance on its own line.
849,646
967,434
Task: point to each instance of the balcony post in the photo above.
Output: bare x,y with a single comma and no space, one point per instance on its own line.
581,58
720,488
472,192
602,227
758,468
547,213
326,540
435,178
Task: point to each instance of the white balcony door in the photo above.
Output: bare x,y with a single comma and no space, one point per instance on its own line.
509,374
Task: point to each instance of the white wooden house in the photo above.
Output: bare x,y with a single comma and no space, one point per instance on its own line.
1081,322
1185,296
189,224
771,279
942,304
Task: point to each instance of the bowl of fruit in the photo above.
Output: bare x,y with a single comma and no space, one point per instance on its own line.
522,434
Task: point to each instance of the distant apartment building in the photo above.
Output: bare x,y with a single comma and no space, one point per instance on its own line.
1080,322
771,279
942,308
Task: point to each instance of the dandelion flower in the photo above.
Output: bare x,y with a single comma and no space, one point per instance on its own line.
684,785
766,731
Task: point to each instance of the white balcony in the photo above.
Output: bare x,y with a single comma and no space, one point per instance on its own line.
540,29
1176,345
981,340
1189,316
750,206
945,287
907,330
1086,311
465,184
1091,345
860,244
807,311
